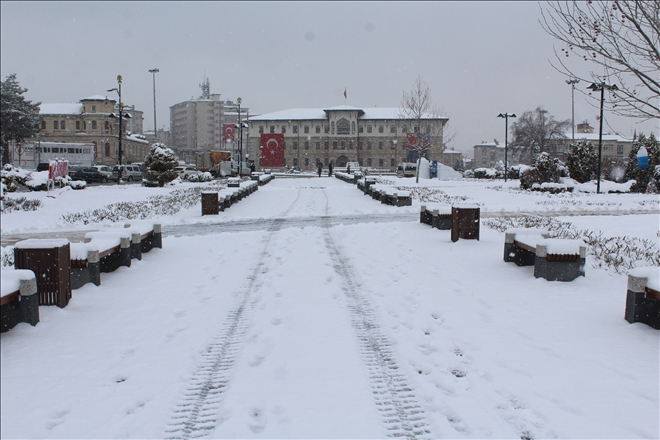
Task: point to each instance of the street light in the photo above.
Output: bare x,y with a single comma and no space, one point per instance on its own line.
572,83
120,116
601,88
154,72
240,138
506,117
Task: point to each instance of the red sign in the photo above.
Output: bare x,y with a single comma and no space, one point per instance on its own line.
58,168
228,132
272,149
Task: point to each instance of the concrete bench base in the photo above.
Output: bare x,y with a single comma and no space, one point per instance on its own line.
642,303
20,306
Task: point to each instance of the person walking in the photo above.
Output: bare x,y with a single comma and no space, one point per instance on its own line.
319,167
330,169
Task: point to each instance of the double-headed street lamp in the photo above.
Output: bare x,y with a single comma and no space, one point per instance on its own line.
154,72
506,117
601,88
572,83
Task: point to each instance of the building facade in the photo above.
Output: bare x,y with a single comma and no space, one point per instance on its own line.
374,137
91,121
614,146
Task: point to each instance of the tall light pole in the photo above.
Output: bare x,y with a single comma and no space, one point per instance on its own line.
154,72
120,116
240,138
601,88
506,117
572,83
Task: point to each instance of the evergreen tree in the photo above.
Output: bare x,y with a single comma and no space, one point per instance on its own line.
19,118
644,177
582,161
546,169
160,163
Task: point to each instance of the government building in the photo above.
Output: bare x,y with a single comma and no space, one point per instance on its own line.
374,137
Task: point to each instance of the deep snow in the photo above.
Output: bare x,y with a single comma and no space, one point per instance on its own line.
306,328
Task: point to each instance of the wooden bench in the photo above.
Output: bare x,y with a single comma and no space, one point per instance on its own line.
114,247
19,301
553,259
437,216
643,296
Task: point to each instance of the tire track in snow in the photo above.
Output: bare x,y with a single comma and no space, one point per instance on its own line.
394,398
196,416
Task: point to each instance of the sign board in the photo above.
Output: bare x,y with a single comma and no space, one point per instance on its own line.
58,168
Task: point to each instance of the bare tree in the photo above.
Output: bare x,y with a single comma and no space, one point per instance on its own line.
535,131
417,108
623,38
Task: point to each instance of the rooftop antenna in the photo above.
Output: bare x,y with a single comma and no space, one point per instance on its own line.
206,88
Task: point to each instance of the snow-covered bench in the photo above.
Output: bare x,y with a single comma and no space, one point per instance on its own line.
348,177
553,259
365,184
436,215
390,195
19,301
114,247
643,296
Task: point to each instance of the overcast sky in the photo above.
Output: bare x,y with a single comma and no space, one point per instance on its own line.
479,58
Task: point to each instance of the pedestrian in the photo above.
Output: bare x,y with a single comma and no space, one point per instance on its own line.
330,169
348,169
320,168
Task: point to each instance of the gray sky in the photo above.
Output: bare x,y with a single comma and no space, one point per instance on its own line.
479,58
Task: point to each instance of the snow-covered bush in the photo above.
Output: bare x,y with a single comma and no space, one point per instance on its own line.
160,163
200,177
582,161
546,169
468,174
11,204
485,173
643,176
8,256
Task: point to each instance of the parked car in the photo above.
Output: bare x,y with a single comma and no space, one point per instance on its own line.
186,171
44,166
105,170
129,173
88,174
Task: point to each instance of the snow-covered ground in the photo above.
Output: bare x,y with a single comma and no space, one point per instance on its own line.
309,310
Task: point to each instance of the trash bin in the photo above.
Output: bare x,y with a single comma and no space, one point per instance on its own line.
210,204
50,260
465,222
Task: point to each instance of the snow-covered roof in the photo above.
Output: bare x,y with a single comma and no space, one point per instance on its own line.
60,109
97,98
490,144
594,137
320,114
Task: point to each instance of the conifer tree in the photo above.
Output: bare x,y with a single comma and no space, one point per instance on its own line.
19,118
160,163
582,161
644,177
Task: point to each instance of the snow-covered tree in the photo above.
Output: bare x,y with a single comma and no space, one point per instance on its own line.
535,130
582,161
643,176
546,169
19,118
160,163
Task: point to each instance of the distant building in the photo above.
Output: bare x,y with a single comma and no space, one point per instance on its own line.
196,125
373,137
487,154
90,121
451,157
614,146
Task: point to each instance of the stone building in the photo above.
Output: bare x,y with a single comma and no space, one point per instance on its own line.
374,137
614,146
91,121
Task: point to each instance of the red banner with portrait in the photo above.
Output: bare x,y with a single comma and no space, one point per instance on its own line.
228,132
272,149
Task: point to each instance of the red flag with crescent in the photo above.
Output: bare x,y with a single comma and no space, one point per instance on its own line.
228,132
272,149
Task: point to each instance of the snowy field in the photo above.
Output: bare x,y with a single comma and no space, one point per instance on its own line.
309,310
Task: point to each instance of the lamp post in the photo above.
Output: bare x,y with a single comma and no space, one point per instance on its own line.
240,138
601,88
154,72
121,116
506,117
572,83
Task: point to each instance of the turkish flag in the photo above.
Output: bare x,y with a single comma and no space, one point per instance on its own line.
344,93
228,132
272,149
412,140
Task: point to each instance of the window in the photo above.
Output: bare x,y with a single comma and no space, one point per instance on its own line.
56,125
350,145
369,128
326,161
93,125
107,150
107,125
392,128
393,144
343,127
342,145
318,128
332,124
77,125
272,129
306,128
381,163
284,145
326,145
84,125
93,108
369,162
294,129
334,145
392,162
361,129
43,124
318,145
619,150
368,145
261,129
404,129
284,129
307,161
360,145
295,161
416,129
353,127
381,129
295,145
380,145
326,128
306,145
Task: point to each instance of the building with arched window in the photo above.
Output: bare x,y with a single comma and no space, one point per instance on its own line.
374,137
